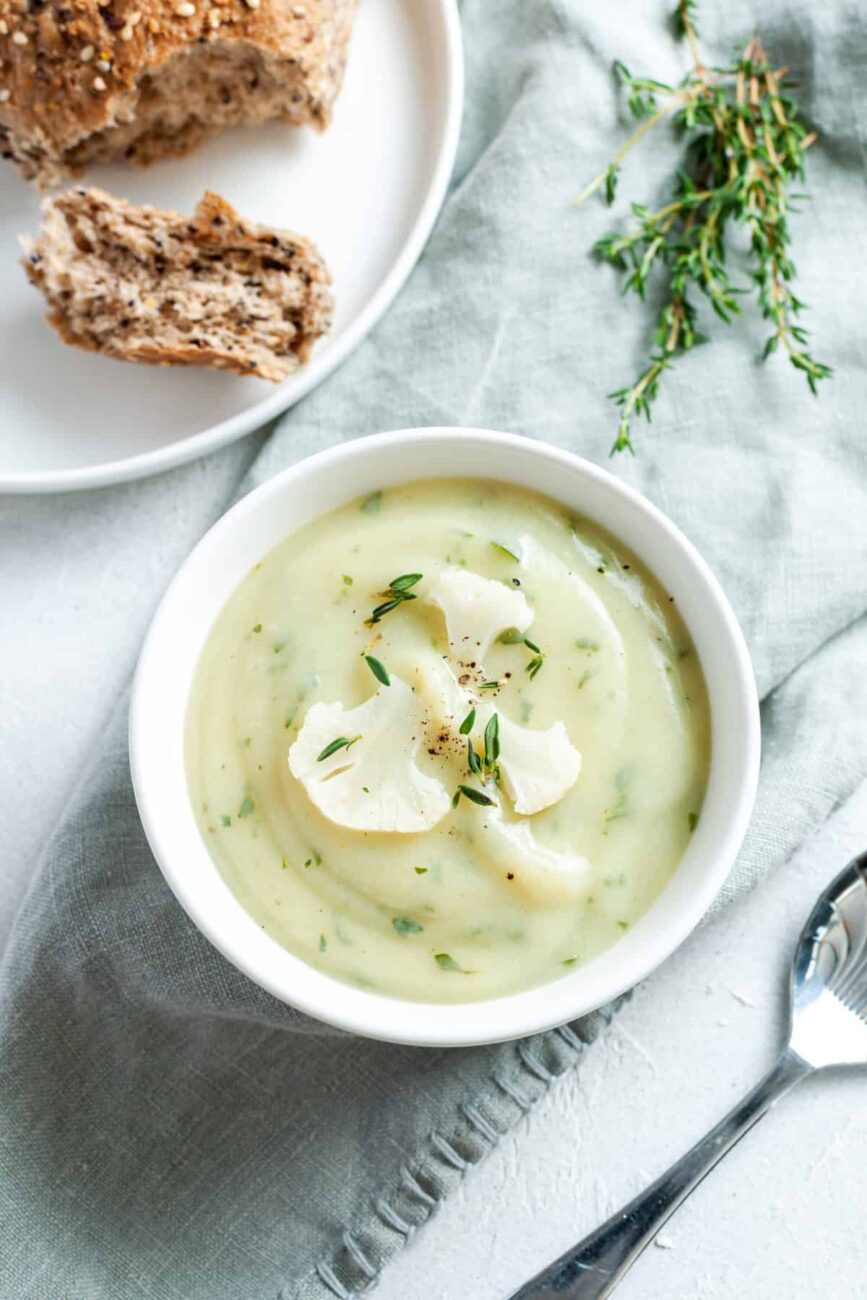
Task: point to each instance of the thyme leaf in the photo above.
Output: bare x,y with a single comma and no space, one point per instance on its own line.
492,742
467,724
474,796
378,669
404,581
535,665
385,608
342,742
446,962
505,550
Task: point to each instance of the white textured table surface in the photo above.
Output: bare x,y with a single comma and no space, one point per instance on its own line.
782,1217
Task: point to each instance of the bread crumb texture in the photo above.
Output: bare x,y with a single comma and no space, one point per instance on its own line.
157,288
83,82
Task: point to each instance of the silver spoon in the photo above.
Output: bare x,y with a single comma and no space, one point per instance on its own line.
828,1026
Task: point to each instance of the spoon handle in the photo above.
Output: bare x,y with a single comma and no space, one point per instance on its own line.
593,1268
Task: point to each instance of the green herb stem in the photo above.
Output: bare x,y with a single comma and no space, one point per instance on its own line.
607,177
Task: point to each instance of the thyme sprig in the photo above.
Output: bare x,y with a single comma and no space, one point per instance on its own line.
486,766
398,592
535,664
512,636
746,145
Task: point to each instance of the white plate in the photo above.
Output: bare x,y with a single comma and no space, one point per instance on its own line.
367,191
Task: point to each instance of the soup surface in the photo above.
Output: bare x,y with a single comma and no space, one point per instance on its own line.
448,741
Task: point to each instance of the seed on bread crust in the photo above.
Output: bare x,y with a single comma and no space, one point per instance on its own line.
180,70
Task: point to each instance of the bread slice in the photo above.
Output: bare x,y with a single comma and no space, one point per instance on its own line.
154,287
92,80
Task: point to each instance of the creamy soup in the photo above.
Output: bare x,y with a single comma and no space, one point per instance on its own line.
448,741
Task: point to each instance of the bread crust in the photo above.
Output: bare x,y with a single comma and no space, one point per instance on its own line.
166,242
71,68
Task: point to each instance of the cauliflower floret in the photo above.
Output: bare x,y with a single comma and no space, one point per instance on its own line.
536,767
372,783
477,610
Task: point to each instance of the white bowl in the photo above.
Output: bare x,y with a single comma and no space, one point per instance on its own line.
248,532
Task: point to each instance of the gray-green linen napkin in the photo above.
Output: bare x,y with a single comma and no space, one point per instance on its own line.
167,1130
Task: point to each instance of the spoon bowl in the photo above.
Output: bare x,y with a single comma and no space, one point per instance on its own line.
829,975
827,1027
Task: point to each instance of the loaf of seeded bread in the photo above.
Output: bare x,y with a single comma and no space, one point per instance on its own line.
90,80
154,287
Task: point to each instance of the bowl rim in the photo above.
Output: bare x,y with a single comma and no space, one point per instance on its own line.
230,928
